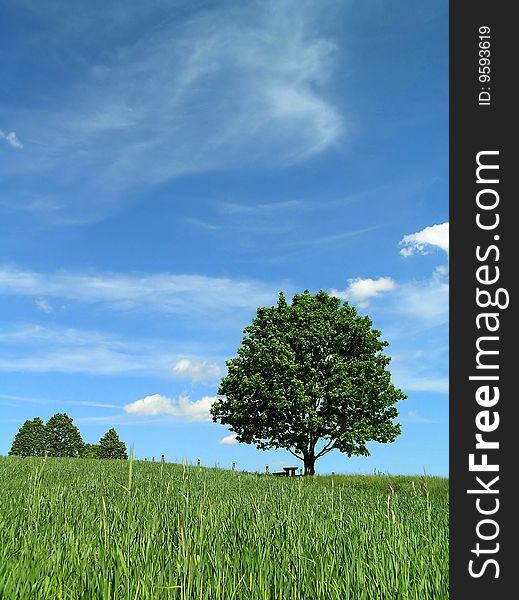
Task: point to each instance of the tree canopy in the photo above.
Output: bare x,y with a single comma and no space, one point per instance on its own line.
110,446
62,436
30,439
309,373
89,451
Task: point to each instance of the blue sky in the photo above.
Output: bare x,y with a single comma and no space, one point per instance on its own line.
167,167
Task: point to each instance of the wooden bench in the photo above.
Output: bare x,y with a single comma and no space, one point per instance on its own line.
290,471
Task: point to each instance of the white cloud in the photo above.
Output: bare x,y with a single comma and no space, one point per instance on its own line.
229,440
182,408
12,139
361,290
162,292
150,405
197,371
419,243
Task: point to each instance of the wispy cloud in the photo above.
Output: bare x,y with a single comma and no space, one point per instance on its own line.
158,105
11,139
248,227
294,206
157,404
163,292
91,404
427,300
15,398
416,382
421,242
291,238
38,349
57,336
117,419
268,209
334,238
96,361
413,416
44,306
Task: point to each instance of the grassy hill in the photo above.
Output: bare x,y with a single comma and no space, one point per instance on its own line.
92,529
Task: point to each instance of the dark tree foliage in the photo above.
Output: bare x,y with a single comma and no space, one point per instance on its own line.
110,446
89,451
30,439
307,374
62,436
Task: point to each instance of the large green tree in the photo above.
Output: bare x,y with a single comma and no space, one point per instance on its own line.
310,377
30,439
62,436
110,446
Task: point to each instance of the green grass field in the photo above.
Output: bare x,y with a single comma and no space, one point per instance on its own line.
92,529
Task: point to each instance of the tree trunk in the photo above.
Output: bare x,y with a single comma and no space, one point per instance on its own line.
309,460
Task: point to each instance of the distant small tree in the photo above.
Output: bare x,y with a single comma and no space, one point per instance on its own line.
110,446
62,436
89,451
30,439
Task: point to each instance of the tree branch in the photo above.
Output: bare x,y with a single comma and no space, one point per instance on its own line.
329,446
294,454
